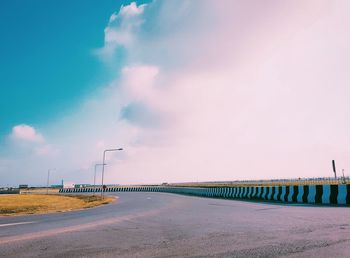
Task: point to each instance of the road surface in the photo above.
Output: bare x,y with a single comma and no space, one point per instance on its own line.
169,225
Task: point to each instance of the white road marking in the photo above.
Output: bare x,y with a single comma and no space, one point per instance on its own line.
18,223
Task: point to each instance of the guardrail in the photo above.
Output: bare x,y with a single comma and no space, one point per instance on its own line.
312,194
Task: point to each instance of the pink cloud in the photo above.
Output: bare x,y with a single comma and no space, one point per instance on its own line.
26,133
138,81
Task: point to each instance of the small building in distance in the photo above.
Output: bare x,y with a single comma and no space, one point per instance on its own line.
68,185
23,186
82,185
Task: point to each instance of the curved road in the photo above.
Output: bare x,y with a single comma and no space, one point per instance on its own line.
169,225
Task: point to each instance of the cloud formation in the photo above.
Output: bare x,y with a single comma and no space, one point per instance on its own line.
26,133
240,90
121,30
234,90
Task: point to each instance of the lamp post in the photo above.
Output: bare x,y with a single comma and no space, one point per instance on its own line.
103,166
96,165
48,179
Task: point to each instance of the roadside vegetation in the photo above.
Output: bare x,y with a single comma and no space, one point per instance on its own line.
21,204
43,190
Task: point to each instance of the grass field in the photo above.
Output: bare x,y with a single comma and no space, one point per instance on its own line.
39,191
19,204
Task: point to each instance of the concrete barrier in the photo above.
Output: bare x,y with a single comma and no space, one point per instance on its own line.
300,193
312,194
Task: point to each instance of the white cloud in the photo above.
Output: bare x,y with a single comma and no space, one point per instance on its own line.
138,81
26,133
121,30
132,9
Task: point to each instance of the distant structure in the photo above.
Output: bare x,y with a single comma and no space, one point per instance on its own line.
68,184
23,186
82,185
334,169
9,190
56,186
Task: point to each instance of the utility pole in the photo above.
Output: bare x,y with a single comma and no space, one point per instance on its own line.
334,170
48,180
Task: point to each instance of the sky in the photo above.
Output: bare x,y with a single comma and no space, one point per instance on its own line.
191,90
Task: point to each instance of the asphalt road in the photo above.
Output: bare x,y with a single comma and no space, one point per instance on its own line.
169,225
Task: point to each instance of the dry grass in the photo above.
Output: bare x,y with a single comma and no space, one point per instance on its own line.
18,204
39,191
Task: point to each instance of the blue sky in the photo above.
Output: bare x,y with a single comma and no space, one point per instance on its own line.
47,63
192,90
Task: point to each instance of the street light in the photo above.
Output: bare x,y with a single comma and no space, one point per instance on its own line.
48,179
103,165
96,165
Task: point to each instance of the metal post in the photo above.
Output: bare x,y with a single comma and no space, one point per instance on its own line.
334,169
48,180
103,172
103,166
95,180
96,165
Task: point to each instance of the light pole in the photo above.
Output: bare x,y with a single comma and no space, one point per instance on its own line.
48,180
96,165
103,166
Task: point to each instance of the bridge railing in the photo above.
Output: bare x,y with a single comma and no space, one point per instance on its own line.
330,194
